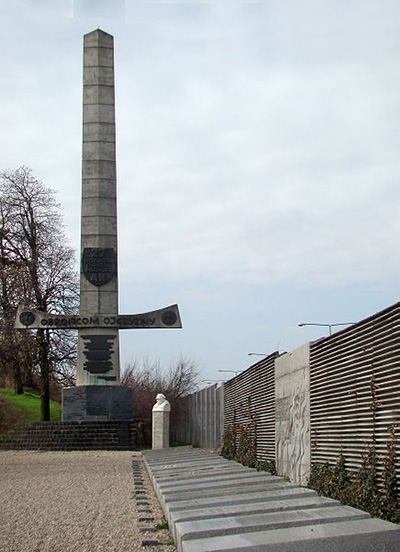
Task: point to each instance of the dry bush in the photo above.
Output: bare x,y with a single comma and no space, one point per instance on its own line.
148,379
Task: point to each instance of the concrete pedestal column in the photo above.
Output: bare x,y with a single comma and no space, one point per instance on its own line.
160,432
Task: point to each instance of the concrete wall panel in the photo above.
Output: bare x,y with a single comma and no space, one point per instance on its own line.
292,414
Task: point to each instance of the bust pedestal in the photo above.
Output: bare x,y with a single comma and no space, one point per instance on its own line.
160,432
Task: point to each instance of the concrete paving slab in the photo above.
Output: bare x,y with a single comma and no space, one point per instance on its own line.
176,455
203,471
364,535
255,497
221,480
243,510
234,525
188,465
224,489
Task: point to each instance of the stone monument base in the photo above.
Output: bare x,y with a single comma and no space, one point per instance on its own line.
97,403
160,429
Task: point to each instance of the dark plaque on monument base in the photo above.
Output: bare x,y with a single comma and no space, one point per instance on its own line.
99,264
97,402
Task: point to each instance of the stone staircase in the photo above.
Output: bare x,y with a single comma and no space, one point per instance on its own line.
79,435
216,505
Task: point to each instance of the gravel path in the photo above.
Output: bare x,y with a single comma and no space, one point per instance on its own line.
74,501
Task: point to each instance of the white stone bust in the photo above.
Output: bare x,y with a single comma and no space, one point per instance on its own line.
162,405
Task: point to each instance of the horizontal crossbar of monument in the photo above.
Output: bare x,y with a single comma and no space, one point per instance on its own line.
168,317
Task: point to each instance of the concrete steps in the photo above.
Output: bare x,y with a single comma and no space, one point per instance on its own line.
215,505
80,435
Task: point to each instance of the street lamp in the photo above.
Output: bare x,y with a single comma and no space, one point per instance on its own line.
330,326
258,354
236,372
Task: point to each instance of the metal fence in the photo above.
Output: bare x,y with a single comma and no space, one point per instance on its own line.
252,394
355,389
354,396
202,425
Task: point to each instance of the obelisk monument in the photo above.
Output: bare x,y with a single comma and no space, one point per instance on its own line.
98,394
98,349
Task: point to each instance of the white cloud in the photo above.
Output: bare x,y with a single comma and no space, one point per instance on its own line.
257,167
254,146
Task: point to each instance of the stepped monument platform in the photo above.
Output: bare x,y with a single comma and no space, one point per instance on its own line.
213,504
78,435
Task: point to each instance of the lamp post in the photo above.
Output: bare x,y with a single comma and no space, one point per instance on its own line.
210,382
257,354
330,326
236,372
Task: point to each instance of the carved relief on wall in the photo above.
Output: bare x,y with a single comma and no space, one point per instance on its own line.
293,420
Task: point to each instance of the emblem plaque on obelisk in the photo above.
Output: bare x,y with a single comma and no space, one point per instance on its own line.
98,394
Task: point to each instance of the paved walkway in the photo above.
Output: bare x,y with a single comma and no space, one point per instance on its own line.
213,505
76,502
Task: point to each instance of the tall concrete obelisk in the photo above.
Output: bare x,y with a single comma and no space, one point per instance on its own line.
98,349
98,395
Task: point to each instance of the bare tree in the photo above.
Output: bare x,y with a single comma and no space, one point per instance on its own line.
147,379
33,246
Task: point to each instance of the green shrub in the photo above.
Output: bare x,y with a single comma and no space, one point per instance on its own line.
362,489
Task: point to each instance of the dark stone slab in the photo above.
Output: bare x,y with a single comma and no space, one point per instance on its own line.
149,542
97,402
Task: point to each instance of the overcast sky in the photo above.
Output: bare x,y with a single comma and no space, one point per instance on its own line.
258,159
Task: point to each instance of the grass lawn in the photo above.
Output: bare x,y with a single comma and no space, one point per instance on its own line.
28,403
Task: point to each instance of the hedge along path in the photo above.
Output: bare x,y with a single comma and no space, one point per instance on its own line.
74,501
